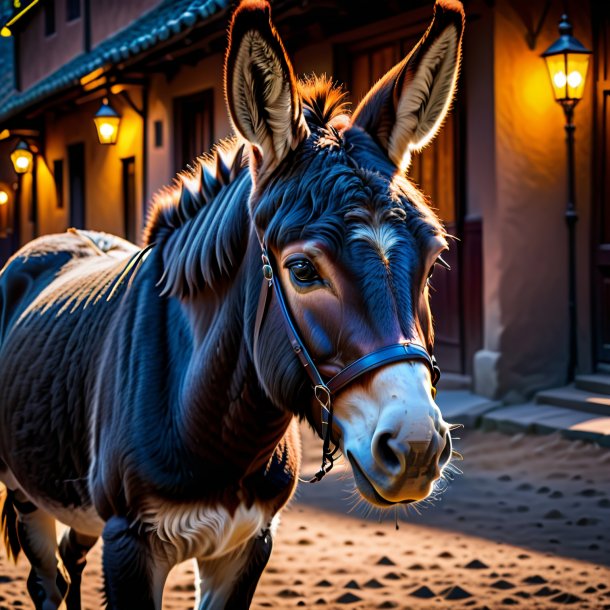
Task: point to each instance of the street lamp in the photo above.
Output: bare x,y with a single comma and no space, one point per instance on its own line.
107,121
22,157
567,60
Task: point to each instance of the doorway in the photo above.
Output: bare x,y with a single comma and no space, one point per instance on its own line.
456,296
76,184
194,127
129,198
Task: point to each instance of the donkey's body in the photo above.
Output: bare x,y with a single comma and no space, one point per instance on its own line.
187,431
146,396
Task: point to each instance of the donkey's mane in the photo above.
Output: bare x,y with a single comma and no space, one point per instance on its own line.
214,242
195,187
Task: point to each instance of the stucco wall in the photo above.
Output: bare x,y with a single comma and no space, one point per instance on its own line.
207,74
110,16
103,169
41,55
525,239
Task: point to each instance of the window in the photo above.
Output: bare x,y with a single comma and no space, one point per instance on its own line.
158,134
72,9
49,18
193,125
58,177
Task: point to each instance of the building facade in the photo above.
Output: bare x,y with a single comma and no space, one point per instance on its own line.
496,173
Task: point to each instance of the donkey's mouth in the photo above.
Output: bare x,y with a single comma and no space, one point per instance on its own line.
366,488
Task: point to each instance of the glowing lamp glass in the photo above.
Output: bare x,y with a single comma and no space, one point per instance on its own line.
3,197
22,158
107,122
568,75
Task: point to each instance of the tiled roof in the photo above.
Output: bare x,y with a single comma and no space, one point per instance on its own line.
6,56
160,24
6,70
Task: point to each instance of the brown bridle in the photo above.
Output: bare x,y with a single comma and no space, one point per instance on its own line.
324,391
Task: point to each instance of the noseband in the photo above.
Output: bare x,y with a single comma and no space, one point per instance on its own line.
325,391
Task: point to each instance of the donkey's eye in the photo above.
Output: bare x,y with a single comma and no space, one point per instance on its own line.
303,272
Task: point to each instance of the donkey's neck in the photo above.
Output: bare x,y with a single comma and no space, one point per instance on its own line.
225,421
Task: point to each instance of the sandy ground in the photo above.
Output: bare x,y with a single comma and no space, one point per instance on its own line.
526,525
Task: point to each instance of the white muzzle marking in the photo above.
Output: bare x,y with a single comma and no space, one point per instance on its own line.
393,433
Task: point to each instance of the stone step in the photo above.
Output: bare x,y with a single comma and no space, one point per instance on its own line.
570,397
463,407
545,419
454,381
598,384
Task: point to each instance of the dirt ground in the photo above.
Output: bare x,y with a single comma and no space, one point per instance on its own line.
526,524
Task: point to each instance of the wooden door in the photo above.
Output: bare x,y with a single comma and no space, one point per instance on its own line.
437,172
193,127
601,202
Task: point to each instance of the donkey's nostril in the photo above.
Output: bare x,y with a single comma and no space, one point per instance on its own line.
385,454
446,452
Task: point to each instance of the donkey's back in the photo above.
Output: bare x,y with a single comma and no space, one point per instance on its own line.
53,315
46,260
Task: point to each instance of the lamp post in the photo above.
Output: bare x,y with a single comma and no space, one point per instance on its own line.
567,61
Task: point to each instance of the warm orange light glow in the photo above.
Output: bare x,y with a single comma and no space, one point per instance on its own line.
107,122
22,158
3,197
22,163
559,79
106,131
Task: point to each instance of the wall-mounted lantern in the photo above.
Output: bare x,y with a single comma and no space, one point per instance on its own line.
107,121
22,157
567,60
3,197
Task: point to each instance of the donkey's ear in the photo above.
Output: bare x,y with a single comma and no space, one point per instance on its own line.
406,108
260,86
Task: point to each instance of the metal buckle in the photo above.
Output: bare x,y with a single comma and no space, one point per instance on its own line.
322,394
267,268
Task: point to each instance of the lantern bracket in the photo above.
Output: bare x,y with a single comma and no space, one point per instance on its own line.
533,27
125,95
30,134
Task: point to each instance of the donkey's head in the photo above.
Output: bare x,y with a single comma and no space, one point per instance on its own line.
352,241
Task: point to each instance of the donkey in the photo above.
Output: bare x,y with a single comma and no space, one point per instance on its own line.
151,396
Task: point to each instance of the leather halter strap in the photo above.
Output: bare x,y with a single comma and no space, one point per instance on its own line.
324,391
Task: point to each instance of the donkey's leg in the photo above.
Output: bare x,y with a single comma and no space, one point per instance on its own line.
36,529
229,582
134,575
73,550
